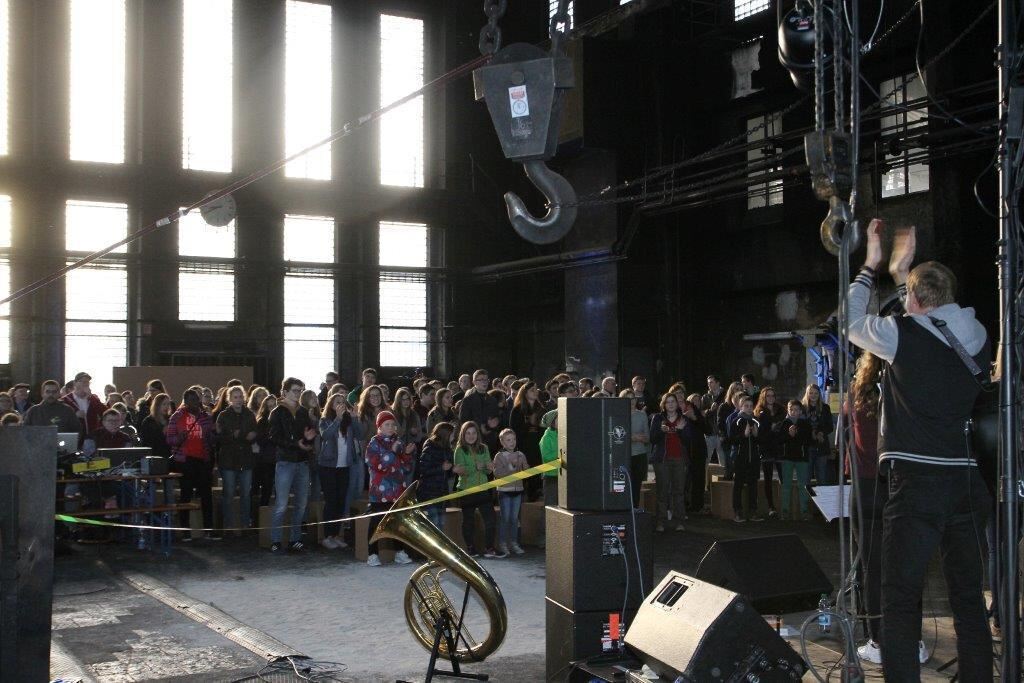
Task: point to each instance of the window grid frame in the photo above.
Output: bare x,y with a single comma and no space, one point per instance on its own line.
763,195
895,90
388,348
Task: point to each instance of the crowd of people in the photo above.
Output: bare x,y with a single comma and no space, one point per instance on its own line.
343,443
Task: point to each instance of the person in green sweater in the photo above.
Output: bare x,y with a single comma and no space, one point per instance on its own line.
473,465
549,452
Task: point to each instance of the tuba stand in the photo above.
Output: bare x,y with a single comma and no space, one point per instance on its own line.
444,628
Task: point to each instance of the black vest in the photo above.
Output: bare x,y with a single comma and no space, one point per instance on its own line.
927,397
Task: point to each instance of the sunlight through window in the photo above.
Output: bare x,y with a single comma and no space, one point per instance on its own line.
307,85
207,83
401,72
97,80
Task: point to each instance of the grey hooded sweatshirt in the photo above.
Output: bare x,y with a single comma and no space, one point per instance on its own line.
927,391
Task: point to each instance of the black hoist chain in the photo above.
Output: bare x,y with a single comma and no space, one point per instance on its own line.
490,34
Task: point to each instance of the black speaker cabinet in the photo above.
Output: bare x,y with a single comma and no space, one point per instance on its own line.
571,636
586,569
594,443
772,587
691,631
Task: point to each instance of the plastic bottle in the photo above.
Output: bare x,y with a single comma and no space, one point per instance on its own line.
824,618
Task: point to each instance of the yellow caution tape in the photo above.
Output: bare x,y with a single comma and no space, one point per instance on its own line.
516,476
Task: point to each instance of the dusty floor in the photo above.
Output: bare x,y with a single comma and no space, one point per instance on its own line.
329,607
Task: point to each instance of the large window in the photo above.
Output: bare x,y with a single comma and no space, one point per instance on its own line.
206,281
746,8
903,176
401,72
4,78
5,278
309,308
307,88
763,129
96,296
206,85
553,7
97,98
403,296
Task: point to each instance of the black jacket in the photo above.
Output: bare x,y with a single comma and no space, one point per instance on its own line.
286,431
235,452
432,476
152,434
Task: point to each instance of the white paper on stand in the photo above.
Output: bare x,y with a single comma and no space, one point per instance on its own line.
827,500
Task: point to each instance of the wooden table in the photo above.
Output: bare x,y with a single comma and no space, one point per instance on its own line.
138,492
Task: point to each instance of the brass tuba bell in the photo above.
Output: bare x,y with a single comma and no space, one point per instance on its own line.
412,528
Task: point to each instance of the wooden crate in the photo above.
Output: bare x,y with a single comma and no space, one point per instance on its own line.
386,548
711,472
649,500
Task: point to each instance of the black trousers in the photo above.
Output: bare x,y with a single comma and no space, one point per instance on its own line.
484,502
334,484
263,482
637,476
695,482
196,480
871,497
944,508
746,472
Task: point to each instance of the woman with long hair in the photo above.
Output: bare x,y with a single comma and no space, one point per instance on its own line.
153,430
670,432
871,493
770,413
410,429
820,450
266,452
340,432
434,469
309,400
442,410
256,395
472,462
527,411
369,405
236,433
725,409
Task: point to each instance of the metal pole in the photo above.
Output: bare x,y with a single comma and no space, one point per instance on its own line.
1009,608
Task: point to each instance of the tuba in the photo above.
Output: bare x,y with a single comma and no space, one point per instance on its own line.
412,528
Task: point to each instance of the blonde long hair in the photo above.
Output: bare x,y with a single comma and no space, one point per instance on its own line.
865,384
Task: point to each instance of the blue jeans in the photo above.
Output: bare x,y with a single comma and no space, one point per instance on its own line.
824,469
934,508
803,478
242,479
289,477
508,526
435,513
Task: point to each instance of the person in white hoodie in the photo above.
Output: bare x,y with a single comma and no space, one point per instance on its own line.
938,500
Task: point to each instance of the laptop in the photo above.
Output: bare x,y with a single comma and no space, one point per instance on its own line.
67,442
129,457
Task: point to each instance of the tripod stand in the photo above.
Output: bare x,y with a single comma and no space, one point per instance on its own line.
451,633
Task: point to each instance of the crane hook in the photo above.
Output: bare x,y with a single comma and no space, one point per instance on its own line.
837,223
561,197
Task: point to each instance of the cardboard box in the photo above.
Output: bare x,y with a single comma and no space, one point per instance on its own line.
649,500
721,498
195,520
453,527
386,548
711,472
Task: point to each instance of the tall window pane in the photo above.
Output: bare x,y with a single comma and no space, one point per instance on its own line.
401,72
309,239
308,353
206,294
745,8
903,174
207,85
91,226
308,300
197,238
97,80
307,84
5,278
4,67
402,297
763,129
96,296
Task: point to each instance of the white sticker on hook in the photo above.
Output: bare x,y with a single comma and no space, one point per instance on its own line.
518,102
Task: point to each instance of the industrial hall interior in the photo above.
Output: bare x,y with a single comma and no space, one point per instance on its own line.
568,341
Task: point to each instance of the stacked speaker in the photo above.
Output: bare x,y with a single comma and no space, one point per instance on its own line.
599,564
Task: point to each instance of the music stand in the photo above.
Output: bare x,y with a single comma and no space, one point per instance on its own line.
452,633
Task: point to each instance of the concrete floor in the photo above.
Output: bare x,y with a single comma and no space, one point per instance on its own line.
326,605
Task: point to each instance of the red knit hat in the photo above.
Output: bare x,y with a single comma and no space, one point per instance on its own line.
383,416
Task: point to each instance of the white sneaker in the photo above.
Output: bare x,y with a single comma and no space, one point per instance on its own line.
922,652
373,560
870,652
339,542
502,549
517,549
329,543
402,558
